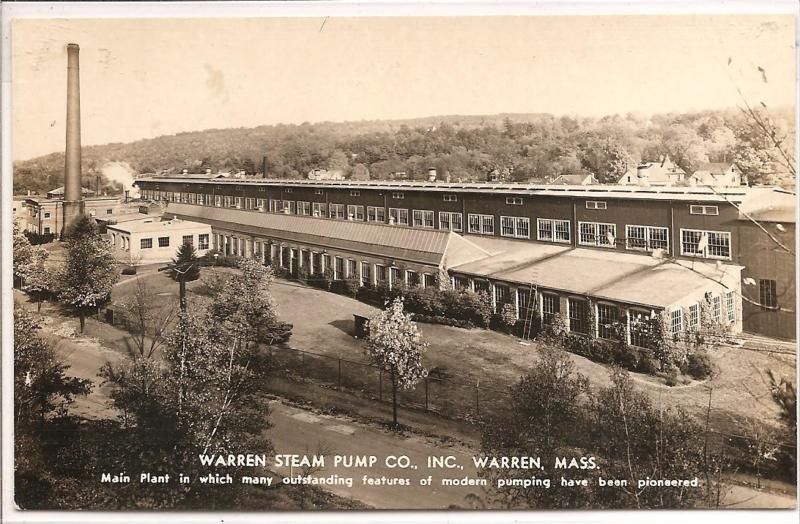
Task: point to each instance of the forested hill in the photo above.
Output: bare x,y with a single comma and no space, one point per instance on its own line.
519,146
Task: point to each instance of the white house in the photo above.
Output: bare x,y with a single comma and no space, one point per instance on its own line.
716,174
665,172
151,240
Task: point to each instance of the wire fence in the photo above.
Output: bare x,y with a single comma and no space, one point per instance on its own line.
446,397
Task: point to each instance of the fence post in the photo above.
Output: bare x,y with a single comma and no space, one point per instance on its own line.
339,378
380,385
426,393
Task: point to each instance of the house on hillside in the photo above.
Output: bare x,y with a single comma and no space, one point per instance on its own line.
575,180
664,172
716,174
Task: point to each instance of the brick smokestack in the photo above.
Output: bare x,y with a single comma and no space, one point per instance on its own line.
73,196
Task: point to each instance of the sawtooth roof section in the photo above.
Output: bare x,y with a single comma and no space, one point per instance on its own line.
425,246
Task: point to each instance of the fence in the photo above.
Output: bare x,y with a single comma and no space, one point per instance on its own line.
447,397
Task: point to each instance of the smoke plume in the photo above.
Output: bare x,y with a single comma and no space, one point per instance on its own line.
123,174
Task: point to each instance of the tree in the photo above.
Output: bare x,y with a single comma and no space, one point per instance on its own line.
40,283
395,345
148,319
41,386
43,393
244,300
544,410
185,268
23,255
90,271
637,441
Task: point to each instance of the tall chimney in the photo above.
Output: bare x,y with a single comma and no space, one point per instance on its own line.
73,196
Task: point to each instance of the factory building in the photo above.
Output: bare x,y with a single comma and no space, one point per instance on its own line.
686,242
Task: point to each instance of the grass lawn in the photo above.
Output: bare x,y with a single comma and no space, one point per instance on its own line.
323,324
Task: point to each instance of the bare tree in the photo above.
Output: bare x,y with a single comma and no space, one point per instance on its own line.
148,319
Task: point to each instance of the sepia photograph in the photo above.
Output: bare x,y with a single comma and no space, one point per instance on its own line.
355,261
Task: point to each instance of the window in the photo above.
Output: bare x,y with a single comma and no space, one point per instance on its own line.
319,192
578,316
676,321
607,316
262,204
514,201
365,274
319,209
704,210
355,193
646,238
428,280
288,190
202,241
481,224
275,206
218,200
338,268
355,213
523,302
336,211
227,201
351,269
595,204
706,244
163,241
551,306
291,205
597,234
451,221
109,211
304,208
694,316
730,306
412,278
768,294
716,308
423,218
515,227
398,216
553,230
380,274
396,276
398,196
46,230
502,296
637,329
47,215
450,198
146,243
200,199
187,240
376,214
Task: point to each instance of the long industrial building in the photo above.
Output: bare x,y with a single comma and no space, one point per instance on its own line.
627,251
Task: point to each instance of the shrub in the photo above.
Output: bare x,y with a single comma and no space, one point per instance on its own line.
648,364
129,270
699,365
345,287
671,377
220,261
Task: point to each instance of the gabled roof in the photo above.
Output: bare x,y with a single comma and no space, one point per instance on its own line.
425,246
715,168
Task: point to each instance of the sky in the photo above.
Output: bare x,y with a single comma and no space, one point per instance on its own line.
149,77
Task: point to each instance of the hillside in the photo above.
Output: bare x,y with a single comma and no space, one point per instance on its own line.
519,146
